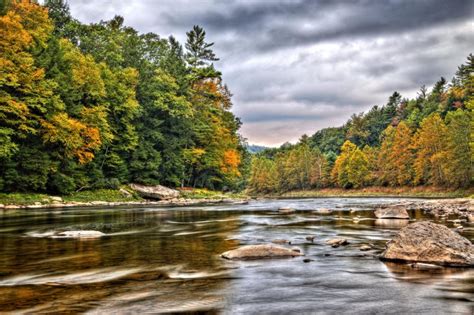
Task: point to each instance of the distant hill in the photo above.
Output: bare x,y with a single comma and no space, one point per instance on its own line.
253,148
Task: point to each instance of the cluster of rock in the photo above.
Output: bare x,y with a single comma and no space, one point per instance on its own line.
427,242
461,207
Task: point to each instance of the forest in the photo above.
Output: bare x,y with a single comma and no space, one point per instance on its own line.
90,106
426,141
100,105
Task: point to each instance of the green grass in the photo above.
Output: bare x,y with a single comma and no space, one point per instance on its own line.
109,195
22,198
209,194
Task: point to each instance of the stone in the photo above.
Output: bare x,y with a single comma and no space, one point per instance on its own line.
365,248
336,242
392,213
307,260
423,266
260,252
286,210
296,249
155,192
432,243
55,198
323,211
392,223
310,238
125,193
470,218
79,234
12,207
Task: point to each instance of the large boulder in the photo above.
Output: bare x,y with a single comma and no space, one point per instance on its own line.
155,192
392,213
261,251
428,242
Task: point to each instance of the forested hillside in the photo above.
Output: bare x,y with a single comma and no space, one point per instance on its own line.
407,142
99,105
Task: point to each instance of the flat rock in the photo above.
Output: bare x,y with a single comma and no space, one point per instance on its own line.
365,248
155,192
431,243
260,252
286,210
80,234
336,242
323,211
392,213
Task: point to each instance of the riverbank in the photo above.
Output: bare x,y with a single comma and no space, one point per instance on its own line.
113,198
416,192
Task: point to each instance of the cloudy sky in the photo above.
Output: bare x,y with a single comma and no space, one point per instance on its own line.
297,66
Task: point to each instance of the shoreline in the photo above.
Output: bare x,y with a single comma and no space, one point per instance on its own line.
98,203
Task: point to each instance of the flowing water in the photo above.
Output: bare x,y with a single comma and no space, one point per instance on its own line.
166,260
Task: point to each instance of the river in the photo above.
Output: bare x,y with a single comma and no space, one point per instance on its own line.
165,260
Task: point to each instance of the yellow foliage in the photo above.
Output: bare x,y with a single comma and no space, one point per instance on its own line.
77,139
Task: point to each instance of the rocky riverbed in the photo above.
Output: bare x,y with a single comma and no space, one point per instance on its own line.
140,259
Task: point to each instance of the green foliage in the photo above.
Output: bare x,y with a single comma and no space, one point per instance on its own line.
94,106
423,141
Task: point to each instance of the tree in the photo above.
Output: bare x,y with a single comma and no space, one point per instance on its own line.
459,164
429,143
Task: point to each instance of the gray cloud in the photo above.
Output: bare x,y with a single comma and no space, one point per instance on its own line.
298,66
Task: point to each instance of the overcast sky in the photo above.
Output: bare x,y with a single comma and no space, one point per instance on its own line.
295,67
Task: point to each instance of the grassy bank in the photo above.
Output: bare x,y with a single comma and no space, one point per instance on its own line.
420,192
107,195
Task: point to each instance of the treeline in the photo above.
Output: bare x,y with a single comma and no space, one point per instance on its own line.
94,106
407,142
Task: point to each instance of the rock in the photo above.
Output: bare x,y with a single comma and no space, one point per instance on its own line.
99,203
310,238
323,211
365,248
423,266
12,207
55,198
285,210
470,218
155,192
296,249
79,234
125,193
392,223
429,242
307,260
281,241
392,213
336,242
2,206
260,251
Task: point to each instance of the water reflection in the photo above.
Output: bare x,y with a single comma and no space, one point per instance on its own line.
167,260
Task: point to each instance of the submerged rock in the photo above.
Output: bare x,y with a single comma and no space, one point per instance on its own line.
260,251
79,234
365,248
336,242
392,223
428,242
286,210
310,238
155,192
392,213
323,211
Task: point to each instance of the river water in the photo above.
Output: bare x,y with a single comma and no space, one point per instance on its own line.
166,260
